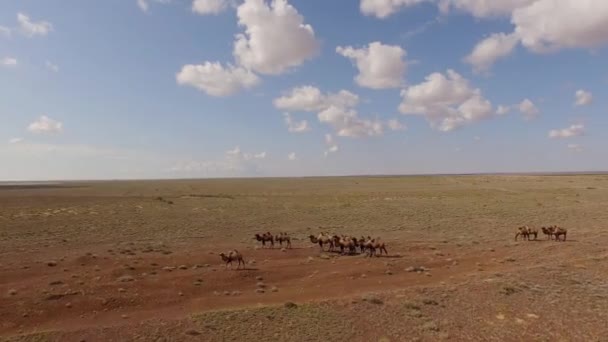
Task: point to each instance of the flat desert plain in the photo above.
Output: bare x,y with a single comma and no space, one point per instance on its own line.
139,260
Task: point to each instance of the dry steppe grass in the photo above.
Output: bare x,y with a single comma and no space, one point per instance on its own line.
139,260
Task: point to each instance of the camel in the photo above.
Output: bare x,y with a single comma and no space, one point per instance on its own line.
375,244
525,233
558,231
549,231
361,243
233,255
265,237
322,239
283,237
345,243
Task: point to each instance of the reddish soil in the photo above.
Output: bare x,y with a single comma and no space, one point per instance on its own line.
85,288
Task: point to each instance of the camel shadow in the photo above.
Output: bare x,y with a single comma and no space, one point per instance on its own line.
390,256
245,269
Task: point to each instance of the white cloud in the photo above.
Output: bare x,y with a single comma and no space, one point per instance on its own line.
237,154
51,66
5,31
215,79
8,62
205,7
485,8
446,101
396,125
384,8
30,28
276,38
478,8
380,66
15,140
347,123
572,131
296,126
528,109
311,99
332,146
546,25
292,156
575,148
143,5
336,110
489,50
44,124
583,98
305,98
502,110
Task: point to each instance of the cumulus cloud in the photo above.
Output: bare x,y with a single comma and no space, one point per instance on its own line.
380,66
478,8
276,38
484,8
292,156
294,126
332,146
572,131
205,7
8,62
237,154
446,101
311,99
215,79
51,66
528,109
347,123
31,28
489,50
44,124
502,110
396,125
384,8
540,25
583,98
546,25
334,109
550,25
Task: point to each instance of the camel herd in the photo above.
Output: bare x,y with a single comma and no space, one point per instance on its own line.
349,245
551,232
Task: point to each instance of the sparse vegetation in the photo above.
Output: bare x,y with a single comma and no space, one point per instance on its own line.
129,259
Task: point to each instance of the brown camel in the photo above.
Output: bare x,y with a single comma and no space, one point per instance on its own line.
231,256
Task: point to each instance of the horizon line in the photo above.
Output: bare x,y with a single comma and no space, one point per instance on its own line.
522,173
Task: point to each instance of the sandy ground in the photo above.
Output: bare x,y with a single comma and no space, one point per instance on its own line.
139,260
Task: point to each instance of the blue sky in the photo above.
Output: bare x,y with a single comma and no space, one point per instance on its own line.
158,88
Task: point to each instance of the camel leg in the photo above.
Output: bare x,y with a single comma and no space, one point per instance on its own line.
516,236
